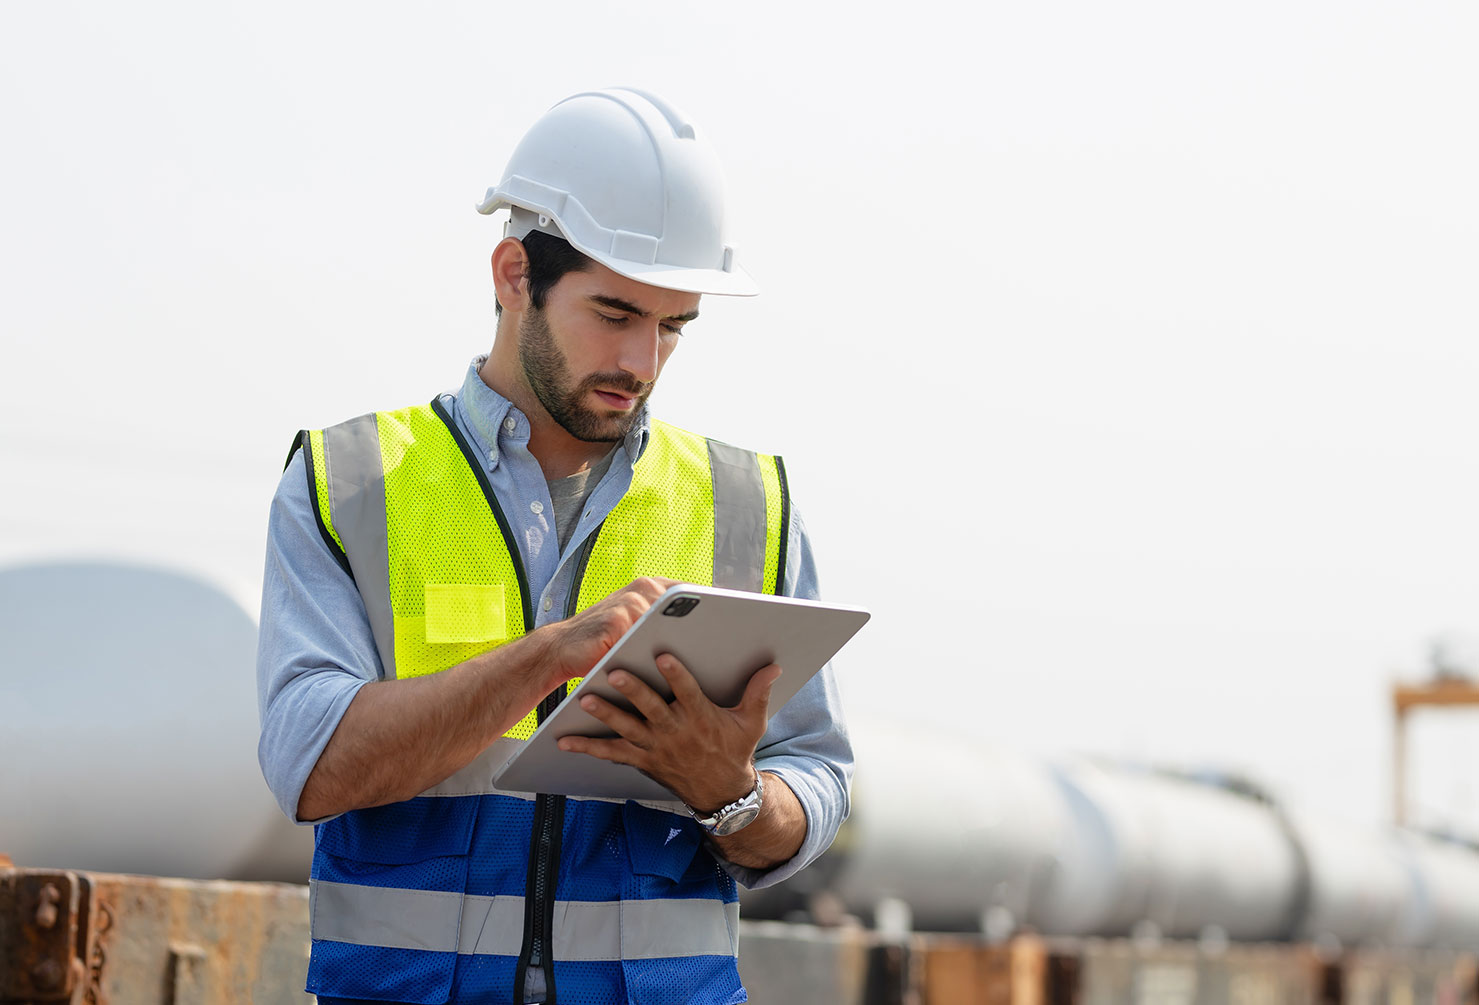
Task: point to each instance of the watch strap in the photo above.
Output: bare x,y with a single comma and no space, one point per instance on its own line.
713,822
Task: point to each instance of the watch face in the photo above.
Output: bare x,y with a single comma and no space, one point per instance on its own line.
734,821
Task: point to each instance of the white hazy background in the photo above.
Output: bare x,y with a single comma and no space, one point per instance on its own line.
1123,356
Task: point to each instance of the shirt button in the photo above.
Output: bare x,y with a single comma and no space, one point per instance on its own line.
536,507
509,423
492,457
548,603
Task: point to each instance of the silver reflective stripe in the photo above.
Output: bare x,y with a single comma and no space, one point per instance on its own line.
653,929
739,518
379,916
494,926
356,479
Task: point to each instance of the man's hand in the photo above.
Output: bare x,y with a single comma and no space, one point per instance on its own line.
699,750
578,643
703,752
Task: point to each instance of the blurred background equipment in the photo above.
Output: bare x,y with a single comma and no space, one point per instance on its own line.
973,838
130,748
1454,660
129,738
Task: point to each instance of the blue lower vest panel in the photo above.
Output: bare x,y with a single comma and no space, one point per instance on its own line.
712,980
479,846
695,980
396,975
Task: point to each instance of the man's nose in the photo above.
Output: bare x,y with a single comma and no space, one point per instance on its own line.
639,352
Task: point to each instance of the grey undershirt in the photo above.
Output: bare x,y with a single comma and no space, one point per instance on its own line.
570,493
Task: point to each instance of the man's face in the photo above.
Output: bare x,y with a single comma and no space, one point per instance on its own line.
594,353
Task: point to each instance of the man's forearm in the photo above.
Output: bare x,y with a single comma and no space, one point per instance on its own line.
776,834
400,737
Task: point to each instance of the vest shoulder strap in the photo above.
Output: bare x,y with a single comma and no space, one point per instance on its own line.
311,442
346,481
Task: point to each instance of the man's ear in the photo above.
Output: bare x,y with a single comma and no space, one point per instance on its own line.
510,272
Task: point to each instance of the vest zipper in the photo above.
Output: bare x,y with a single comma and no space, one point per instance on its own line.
544,838
544,867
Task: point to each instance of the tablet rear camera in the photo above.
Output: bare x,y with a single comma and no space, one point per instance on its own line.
680,607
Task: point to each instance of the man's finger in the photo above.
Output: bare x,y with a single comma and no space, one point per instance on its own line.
651,587
685,689
647,701
757,692
631,727
619,751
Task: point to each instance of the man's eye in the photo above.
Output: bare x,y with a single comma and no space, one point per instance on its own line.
614,322
673,329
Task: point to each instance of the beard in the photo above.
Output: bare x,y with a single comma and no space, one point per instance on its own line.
548,374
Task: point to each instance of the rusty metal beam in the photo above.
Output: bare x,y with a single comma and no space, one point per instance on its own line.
114,940
43,934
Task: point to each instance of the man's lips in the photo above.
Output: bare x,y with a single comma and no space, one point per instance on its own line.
616,399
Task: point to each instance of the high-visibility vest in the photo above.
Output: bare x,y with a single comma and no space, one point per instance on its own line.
425,899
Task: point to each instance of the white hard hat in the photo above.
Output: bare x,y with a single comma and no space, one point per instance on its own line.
623,177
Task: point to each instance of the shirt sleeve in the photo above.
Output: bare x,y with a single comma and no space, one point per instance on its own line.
806,744
315,649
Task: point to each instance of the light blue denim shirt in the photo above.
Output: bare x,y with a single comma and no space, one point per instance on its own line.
316,649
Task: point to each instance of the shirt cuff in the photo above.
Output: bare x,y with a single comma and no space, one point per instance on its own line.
823,804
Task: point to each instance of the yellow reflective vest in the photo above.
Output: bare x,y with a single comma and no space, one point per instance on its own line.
617,893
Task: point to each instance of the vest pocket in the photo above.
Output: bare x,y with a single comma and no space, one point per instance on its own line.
390,885
659,843
678,938
465,612
402,833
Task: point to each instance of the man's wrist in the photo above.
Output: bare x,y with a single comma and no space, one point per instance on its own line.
540,659
736,814
713,798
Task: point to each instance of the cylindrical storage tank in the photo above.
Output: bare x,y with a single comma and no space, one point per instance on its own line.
953,828
1359,882
1444,906
130,736
1180,855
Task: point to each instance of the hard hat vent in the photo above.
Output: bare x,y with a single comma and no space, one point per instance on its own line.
677,121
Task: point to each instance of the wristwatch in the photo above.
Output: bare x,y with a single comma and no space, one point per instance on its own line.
740,813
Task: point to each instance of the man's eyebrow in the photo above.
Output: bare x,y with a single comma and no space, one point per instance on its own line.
618,304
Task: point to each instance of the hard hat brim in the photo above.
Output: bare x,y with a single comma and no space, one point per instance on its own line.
734,282
713,281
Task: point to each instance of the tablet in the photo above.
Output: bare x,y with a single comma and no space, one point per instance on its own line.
722,637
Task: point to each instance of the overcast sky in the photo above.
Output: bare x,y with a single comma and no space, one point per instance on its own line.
1123,356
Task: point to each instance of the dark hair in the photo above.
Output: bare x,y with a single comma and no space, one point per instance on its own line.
550,258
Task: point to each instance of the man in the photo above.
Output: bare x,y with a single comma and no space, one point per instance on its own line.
438,577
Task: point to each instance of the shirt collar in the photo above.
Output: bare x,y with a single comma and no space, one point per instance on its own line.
496,424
